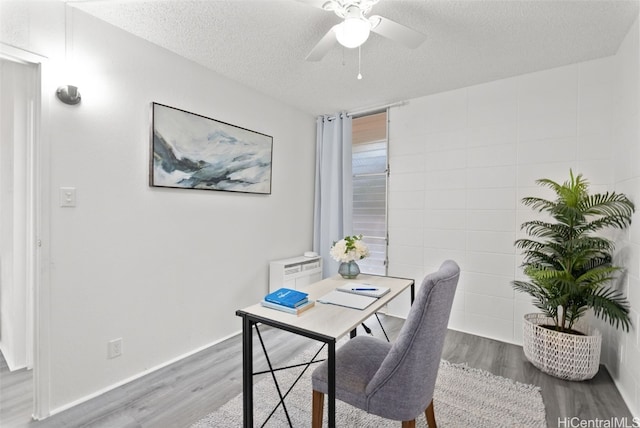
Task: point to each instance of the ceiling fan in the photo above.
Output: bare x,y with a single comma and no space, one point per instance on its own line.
354,30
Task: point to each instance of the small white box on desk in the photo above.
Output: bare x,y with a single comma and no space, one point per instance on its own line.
295,273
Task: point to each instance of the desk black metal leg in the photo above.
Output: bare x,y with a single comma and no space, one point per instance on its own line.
382,327
247,373
331,361
275,381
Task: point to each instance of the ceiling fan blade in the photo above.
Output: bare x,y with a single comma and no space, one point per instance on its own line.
323,46
396,32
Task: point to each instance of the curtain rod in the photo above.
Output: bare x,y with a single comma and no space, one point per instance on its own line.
370,110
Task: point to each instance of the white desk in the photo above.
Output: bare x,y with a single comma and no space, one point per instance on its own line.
324,322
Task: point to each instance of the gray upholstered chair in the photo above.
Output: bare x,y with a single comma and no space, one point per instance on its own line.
395,381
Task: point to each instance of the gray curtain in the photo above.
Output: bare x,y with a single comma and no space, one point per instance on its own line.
333,190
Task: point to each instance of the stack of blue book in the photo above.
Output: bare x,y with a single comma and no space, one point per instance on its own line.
288,300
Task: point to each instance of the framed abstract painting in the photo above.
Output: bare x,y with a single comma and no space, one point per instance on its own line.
190,151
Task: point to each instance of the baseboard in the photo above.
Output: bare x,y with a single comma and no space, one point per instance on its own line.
634,408
10,363
486,337
137,376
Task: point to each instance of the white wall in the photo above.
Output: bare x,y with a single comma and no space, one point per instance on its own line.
163,269
622,350
461,161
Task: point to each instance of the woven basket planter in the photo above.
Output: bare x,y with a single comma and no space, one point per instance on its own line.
566,356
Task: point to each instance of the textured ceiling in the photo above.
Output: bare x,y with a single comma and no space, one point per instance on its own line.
263,43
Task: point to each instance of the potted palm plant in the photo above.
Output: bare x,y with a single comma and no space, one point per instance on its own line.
570,271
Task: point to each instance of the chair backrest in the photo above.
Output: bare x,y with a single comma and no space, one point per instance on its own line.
403,386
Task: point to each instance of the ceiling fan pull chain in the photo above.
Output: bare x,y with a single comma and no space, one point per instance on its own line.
359,61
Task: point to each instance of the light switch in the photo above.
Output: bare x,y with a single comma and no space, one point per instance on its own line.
67,196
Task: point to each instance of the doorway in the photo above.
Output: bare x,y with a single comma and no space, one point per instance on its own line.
21,215
17,102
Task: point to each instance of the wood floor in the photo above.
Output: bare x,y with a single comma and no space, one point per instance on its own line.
184,392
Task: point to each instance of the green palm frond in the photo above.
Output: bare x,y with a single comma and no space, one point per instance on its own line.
611,306
611,206
597,275
538,204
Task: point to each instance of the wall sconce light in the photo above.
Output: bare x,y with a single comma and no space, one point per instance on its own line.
68,94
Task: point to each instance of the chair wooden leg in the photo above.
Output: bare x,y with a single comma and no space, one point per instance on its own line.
317,409
409,424
430,415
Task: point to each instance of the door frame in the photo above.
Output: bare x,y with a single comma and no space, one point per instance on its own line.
38,229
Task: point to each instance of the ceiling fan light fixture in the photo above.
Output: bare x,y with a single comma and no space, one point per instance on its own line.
353,32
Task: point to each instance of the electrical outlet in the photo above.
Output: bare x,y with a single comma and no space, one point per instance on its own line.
67,196
114,348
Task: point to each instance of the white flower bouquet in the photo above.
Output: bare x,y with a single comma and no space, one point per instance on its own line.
349,249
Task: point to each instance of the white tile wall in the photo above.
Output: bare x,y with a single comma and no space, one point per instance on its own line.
449,239
551,149
409,163
409,200
597,171
490,156
477,152
529,173
404,219
407,236
434,256
634,293
594,73
446,199
489,284
496,328
497,176
409,254
445,160
594,146
625,170
506,133
490,241
446,140
595,109
489,306
636,327
445,111
445,219
493,104
492,220
406,182
547,104
445,179
491,199
491,263
456,319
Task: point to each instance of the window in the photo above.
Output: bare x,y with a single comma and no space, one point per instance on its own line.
370,171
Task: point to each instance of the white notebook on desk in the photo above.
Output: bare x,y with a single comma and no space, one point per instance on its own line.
349,300
363,289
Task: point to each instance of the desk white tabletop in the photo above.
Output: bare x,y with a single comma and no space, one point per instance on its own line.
332,320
